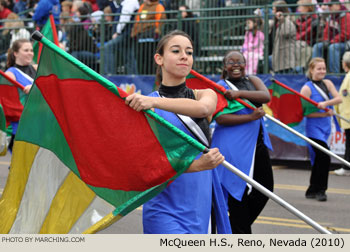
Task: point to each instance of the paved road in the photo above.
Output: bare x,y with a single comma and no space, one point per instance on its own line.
290,185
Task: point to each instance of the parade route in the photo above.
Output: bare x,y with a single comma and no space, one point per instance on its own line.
290,184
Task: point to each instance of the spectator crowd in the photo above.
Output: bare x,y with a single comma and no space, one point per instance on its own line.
296,33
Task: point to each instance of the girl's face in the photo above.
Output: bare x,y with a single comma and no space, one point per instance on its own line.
303,9
25,54
66,9
183,11
235,65
319,71
177,59
250,25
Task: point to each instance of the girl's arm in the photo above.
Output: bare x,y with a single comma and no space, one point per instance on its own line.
204,106
306,91
26,88
245,43
336,96
261,95
232,119
320,114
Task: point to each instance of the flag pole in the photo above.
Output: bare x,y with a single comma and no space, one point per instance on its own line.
14,82
306,98
276,198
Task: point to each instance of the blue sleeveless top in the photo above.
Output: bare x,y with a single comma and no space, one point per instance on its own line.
319,127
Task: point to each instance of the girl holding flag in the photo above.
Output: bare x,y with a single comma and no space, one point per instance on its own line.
20,68
185,205
318,125
243,140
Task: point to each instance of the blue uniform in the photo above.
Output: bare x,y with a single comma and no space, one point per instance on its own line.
245,146
237,143
184,207
318,127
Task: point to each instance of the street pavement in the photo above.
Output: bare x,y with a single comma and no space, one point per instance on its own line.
291,181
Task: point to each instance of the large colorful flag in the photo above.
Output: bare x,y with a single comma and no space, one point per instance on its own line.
49,31
12,98
80,152
3,140
287,106
197,81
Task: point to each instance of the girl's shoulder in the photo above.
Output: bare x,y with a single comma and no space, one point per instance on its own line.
328,82
11,69
223,83
307,84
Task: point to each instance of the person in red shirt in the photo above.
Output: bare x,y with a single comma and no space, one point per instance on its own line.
307,23
336,33
4,12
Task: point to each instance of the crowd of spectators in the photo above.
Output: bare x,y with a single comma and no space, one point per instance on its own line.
314,29
132,28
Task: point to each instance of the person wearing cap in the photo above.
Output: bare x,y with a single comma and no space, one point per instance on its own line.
336,33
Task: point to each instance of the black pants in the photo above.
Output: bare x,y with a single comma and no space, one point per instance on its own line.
320,169
347,148
243,213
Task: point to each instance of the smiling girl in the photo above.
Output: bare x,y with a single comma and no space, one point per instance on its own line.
243,140
20,68
185,205
318,125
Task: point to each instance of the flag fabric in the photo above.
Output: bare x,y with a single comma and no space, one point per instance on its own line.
287,106
49,31
80,152
3,140
12,99
224,106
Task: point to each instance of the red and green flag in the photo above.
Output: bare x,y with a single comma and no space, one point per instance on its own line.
82,159
49,31
287,106
12,98
197,81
